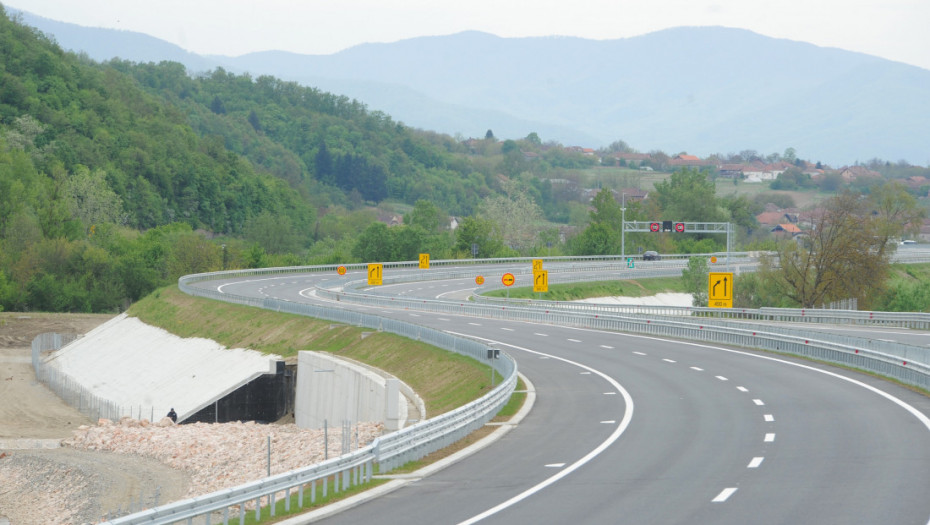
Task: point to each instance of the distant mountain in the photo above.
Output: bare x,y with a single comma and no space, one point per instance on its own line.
701,90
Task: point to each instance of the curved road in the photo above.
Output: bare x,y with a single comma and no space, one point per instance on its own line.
632,429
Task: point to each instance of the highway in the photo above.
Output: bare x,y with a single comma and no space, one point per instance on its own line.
633,429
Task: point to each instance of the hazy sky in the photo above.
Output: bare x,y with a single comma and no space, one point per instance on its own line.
892,29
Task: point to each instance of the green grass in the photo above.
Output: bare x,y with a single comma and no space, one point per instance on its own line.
618,288
319,501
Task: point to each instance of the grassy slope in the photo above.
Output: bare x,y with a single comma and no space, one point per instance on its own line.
444,380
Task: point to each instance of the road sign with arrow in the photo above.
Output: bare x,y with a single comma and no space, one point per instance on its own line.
720,289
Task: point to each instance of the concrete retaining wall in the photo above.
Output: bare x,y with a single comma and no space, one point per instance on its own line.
335,390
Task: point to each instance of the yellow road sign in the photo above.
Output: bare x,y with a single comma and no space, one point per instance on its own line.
341,270
479,280
375,272
541,281
424,261
720,289
537,265
508,279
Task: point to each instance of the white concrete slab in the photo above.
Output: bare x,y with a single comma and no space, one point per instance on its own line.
137,365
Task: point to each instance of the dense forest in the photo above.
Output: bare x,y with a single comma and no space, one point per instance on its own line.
117,178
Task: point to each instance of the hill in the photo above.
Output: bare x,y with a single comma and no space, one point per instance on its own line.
703,90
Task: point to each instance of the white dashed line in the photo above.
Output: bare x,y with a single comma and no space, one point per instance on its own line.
697,368
742,389
575,340
555,465
474,324
770,437
721,378
607,347
768,418
540,335
724,495
755,462
610,393
609,422
758,402
507,329
639,353
586,373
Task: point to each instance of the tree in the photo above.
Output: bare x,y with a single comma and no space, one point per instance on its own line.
480,232
688,196
489,135
91,200
894,211
426,215
843,256
518,217
694,278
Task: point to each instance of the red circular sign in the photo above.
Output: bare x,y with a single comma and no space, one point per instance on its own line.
679,227
654,226
479,279
341,270
508,279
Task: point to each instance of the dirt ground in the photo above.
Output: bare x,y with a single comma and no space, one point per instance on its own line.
34,417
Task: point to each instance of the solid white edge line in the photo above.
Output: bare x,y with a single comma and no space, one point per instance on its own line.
621,428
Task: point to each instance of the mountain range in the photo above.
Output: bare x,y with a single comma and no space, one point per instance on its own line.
700,90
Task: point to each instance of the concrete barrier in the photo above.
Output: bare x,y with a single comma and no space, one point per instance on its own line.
336,390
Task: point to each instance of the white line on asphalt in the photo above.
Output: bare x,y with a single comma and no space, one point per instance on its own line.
614,436
442,318
770,437
575,340
586,373
540,335
610,393
639,353
607,347
726,493
721,378
755,462
696,368
769,418
507,329
474,324
555,465
742,389
669,360
758,402
609,422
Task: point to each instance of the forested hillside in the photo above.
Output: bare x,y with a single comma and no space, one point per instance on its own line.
106,171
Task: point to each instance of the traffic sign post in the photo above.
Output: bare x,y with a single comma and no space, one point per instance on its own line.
508,279
720,289
424,261
375,274
341,270
537,265
479,280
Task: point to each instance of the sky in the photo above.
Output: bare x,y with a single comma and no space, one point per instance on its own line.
891,29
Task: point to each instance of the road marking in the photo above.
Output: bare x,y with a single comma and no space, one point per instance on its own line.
769,418
575,340
414,315
742,389
555,465
639,353
755,462
610,393
540,335
586,373
758,402
442,319
724,495
607,347
770,437
474,324
609,422
697,368
721,378
507,329
614,436
669,360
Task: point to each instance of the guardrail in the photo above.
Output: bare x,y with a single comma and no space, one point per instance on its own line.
906,363
388,451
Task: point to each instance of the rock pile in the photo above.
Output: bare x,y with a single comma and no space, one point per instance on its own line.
223,455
